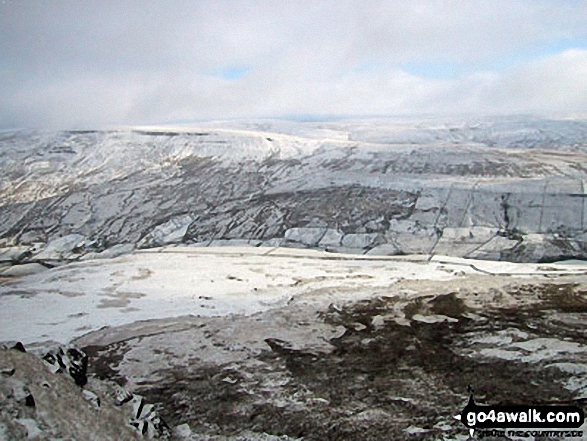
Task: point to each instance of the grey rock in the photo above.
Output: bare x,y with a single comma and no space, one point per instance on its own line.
359,240
412,237
543,248
92,398
25,269
493,249
463,241
111,253
275,242
307,236
61,248
386,249
60,409
172,231
331,238
14,254
122,396
146,420
148,189
70,360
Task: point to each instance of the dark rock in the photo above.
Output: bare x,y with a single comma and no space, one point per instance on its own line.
19,347
71,360
29,401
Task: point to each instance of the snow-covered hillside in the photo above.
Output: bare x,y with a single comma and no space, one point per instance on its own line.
505,189
170,256
285,344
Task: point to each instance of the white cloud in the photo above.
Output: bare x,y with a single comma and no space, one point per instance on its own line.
65,64
551,83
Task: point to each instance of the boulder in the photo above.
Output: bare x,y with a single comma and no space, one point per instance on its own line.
412,237
275,242
386,249
309,236
146,420
331,238
61,248
361,240
13,254
70,360
542,248
169,232
462,241
493,249
38,404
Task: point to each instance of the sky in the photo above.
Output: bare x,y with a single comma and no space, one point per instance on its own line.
90,64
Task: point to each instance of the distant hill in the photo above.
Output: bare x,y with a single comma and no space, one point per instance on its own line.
500,189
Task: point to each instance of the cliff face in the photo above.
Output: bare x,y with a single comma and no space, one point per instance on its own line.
500,190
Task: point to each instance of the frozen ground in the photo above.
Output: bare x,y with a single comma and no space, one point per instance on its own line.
254,343
67,302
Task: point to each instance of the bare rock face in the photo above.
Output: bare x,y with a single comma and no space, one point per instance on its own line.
39,404
480,189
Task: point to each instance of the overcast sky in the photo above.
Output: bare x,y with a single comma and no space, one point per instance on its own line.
67,63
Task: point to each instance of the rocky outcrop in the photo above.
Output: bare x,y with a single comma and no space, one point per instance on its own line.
70,360
38,403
